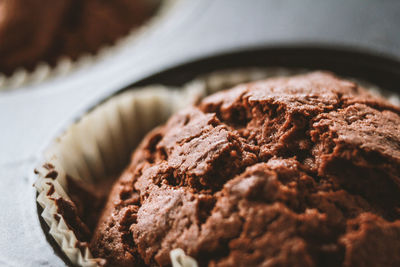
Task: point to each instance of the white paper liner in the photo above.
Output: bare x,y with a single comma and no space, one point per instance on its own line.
180,259
44,71
100,144
96,146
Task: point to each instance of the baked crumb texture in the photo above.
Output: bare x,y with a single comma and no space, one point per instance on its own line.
299,171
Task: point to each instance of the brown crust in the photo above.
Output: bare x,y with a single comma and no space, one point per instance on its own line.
300,171
43,31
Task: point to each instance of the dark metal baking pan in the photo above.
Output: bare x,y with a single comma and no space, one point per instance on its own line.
344,61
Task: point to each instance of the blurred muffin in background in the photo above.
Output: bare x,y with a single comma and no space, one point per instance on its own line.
33,31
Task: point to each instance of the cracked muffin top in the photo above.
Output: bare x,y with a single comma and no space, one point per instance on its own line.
296,171
33,31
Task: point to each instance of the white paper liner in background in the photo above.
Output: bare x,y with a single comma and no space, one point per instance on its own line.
65,65
100,144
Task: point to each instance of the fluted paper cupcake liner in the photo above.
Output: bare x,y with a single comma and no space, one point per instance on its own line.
100,144
65,65
96,146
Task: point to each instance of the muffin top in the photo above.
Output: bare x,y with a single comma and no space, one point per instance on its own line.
33,31
297,171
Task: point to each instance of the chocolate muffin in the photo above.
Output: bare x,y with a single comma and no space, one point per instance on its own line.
45,30
297,171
